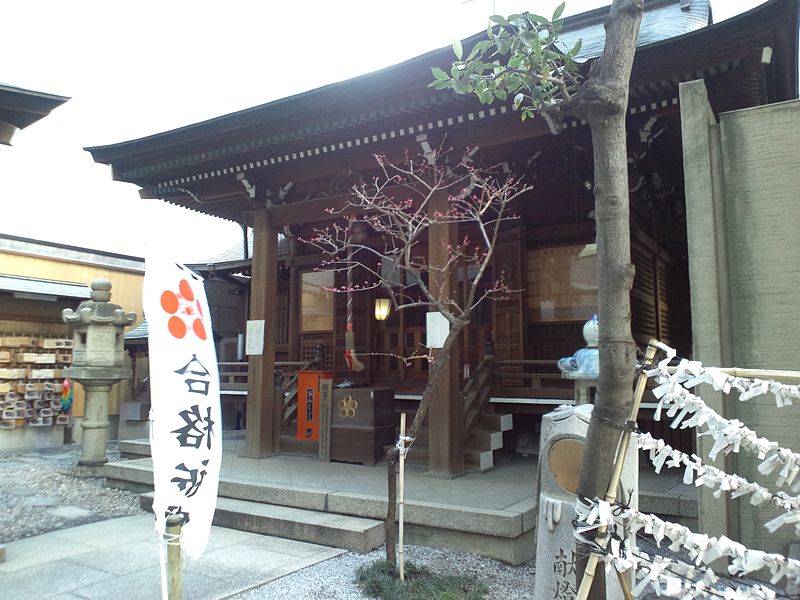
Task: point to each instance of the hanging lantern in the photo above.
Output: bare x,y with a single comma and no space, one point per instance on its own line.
382,308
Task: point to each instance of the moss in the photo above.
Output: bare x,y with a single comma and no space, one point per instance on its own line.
381,580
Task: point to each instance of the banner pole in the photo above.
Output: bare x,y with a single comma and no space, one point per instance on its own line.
401,494
174,575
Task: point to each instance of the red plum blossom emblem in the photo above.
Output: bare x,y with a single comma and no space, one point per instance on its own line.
185,310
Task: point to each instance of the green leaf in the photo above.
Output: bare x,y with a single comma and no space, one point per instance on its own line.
460,88
458,50
559,11
439,74
500,20
501,94
576,48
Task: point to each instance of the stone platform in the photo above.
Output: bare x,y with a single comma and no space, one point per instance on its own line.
491,514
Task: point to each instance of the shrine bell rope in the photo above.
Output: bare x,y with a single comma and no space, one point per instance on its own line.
353,363
619,524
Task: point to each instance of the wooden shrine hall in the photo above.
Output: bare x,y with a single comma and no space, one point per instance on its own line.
277,167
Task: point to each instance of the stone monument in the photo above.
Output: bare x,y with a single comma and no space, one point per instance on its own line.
560,453
97,363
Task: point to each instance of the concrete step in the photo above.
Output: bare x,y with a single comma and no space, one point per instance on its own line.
504,534
134,448
479,460
484,439
356,534
496,421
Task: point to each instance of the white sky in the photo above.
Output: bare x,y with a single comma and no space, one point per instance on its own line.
138,67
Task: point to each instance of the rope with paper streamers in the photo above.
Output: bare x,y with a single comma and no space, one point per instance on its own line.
688,410
404,444
691,373
699,474
672,577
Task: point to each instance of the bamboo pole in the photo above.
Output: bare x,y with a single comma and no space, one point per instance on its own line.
400,496
174,575
616,475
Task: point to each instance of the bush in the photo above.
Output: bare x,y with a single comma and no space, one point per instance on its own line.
380,580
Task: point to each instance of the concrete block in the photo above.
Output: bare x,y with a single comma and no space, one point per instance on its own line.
480,521
514,551
134,471
346,503
308,498
339,531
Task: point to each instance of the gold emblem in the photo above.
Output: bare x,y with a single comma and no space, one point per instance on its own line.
347,407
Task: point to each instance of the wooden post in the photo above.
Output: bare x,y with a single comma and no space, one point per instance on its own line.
400,496
446,416
294,313
264,409
325,402
174,574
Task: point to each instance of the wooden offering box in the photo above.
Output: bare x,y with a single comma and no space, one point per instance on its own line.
362,423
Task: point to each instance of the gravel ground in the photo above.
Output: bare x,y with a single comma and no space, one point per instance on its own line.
335,579
40,492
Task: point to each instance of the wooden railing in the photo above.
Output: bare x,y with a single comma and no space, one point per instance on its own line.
530,379
477,392
233,381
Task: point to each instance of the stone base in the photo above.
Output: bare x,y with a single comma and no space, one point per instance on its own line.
89,468
512,551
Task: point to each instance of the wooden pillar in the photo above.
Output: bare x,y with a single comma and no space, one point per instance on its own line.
446,413
264,407
294,313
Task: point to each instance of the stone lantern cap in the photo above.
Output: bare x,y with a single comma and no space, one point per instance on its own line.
97,333
99,310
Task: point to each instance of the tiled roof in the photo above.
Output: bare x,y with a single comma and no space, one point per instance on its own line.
34,288
140,332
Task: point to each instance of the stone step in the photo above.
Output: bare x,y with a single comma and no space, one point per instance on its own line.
485,439
134,448
356,534
497,421
479,460
504,534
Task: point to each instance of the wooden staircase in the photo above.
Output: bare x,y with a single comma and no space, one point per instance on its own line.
485,430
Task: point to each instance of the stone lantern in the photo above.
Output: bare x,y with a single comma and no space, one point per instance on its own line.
97,363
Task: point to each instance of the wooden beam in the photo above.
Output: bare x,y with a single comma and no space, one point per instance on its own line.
446,413
307,211
264,406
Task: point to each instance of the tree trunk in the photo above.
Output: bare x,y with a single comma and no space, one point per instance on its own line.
604,106
391,507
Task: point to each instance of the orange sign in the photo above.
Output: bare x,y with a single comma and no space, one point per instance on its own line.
308,403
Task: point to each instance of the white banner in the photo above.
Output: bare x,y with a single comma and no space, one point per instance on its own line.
185,418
